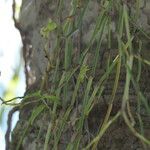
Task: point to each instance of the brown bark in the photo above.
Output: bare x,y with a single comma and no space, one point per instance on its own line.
34,15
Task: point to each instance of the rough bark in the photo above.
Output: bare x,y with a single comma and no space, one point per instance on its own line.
34,15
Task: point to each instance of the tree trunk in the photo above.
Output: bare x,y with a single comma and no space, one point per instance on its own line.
71,44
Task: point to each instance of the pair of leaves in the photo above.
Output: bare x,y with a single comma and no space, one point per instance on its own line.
51,25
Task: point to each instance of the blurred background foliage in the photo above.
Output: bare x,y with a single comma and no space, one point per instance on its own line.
12,79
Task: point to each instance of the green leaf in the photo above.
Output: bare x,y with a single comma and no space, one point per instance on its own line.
82,73
52,98
35,113
51,25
